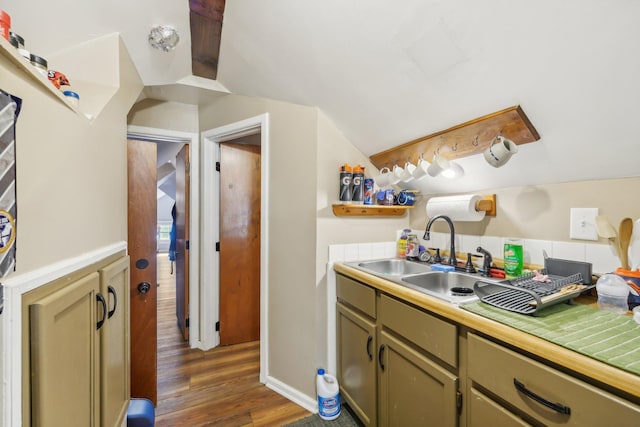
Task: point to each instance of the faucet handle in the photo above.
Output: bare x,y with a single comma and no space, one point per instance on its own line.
437,258
486,264
469,267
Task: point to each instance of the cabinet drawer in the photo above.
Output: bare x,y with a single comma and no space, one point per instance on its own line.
436,336
356,294
497,368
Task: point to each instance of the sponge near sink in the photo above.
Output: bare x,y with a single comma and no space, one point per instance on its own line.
442,267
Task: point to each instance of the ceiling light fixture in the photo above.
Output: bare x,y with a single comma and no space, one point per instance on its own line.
163,38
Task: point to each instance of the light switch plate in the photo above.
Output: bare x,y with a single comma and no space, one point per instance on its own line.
582,224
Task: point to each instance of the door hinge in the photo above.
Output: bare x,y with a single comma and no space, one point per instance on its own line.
458,400
218,326
217,166
186,322
217,246
186,245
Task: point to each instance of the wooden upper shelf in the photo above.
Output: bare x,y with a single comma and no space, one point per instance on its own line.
469,138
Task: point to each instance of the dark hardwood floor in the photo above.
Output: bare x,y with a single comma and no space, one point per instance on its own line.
218,387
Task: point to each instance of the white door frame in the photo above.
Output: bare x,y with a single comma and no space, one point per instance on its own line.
167,135
210,271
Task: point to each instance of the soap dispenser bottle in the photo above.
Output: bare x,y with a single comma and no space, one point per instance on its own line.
401,245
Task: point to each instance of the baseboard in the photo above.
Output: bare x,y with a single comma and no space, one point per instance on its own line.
296,396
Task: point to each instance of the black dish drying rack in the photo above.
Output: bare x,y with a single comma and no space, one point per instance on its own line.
527,296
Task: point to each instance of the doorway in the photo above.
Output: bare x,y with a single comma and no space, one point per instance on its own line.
146,175
210,271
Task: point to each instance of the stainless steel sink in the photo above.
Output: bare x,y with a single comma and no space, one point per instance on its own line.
393,267
454,287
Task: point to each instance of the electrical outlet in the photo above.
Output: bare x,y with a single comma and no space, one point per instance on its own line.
582,225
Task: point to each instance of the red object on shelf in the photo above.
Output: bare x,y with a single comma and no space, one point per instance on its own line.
5,24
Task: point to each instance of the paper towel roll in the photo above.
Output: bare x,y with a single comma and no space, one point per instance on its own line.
458,208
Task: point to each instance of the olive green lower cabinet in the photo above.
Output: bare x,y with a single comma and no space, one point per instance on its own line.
79,351
396,364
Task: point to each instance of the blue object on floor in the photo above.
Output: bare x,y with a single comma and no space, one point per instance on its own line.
141,413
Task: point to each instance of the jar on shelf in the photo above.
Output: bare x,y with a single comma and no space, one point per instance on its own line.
40,64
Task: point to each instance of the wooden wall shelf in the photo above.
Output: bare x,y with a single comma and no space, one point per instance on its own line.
369,210
466,139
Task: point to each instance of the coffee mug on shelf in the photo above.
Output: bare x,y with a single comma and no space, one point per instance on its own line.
500,151
406,198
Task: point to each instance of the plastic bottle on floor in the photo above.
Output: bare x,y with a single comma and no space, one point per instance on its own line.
328,396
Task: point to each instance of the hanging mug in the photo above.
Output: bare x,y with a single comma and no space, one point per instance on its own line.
500,151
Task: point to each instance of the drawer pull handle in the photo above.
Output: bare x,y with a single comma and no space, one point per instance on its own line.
555,406
102,302
369,341
380,353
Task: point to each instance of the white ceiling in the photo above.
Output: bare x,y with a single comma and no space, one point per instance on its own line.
389,72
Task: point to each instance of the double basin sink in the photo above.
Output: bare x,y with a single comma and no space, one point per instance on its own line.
454,287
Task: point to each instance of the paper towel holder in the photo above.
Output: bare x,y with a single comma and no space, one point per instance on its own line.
487,204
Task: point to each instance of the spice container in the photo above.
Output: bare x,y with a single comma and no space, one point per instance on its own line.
18,38
40,63
5,24
72,97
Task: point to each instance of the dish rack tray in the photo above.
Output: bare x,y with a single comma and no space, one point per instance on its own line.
527,296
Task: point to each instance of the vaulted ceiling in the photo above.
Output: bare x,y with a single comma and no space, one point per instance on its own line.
389,72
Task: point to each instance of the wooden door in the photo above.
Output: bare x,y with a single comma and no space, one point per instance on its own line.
182,240
64,356
239,243
142,185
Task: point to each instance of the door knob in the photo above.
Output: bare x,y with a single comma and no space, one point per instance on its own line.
144,287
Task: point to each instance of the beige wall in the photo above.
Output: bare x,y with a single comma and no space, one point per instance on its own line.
292,230
333,150
165,115
542,212
71,173
305,152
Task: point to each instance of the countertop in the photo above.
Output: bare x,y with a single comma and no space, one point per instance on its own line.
556,354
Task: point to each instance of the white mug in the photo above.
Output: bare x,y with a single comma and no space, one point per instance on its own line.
407,175
421,169
396,175
382,179
500,151
438,165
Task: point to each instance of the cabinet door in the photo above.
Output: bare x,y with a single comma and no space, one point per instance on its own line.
414,391
64,349
114,343
357,364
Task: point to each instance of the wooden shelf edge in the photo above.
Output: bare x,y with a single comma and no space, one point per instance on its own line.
465,139
368,210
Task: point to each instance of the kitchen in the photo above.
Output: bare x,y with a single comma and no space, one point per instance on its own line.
565,65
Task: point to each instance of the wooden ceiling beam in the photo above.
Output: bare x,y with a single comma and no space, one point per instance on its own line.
206,30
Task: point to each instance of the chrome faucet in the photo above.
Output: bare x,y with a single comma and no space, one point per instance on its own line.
452,249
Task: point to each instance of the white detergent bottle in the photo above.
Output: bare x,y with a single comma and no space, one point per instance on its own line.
328,396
